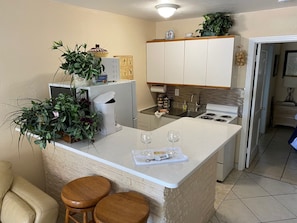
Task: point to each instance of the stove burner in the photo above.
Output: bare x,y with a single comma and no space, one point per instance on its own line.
206,117
220,120
210,114
226,116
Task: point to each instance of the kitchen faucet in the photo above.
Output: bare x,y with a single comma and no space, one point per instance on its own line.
196,103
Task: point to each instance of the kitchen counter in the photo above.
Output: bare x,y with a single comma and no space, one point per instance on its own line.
175,113
199,141
163,184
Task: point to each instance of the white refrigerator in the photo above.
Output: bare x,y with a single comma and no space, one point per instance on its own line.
125,97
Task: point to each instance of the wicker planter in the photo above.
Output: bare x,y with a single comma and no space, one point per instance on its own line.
67,138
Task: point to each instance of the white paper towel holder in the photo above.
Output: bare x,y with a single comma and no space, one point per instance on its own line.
159,88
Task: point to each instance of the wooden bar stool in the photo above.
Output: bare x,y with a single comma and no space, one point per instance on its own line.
82,195
125,207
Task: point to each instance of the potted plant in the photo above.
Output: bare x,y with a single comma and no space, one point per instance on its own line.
77,62
52,119
216,24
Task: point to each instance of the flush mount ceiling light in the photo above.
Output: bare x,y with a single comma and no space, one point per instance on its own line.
166,10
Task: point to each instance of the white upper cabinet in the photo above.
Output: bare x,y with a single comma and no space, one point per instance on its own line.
174,62
195,62
201,61
220,62
155,62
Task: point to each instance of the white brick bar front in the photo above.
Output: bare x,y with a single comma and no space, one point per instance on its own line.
177,192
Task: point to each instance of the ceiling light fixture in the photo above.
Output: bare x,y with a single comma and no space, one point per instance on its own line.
166,10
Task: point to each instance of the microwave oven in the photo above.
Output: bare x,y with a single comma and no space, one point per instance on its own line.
111,68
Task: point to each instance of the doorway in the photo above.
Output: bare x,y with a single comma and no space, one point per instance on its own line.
252,66
276,158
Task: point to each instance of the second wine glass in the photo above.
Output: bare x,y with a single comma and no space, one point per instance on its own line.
146,138
173,136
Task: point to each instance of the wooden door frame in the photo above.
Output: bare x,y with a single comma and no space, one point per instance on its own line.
248,88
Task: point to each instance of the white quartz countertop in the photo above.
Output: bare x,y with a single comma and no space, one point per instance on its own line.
199,140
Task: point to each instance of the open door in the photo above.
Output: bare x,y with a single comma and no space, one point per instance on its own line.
256,103
267,91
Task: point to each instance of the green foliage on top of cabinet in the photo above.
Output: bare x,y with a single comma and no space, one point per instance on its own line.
216,24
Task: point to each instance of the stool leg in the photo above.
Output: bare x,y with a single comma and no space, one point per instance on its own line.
85,216
93,219
67,215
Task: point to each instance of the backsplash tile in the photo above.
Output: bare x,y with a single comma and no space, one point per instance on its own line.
204,96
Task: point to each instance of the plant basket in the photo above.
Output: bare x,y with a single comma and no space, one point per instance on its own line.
67,138
207,33
97,51
80,82
100,54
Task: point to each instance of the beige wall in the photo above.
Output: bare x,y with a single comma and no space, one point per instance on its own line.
27,65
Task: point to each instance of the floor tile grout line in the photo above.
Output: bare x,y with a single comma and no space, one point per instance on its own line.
283,205
224,199
250,210
285,165
272,196
277,133
269,195
269,178
266,147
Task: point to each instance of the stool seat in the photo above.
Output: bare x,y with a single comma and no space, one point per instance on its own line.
82,195
128,207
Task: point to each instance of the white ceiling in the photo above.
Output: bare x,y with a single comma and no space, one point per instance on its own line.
145,9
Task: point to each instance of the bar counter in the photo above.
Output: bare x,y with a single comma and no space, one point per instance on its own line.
177,192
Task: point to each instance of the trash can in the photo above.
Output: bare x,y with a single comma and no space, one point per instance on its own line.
105,103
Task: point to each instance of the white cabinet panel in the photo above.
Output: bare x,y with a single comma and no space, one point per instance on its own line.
155,62
195,62
174,62
204,62
220,62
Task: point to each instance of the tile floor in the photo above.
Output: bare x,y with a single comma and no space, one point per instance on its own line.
267,191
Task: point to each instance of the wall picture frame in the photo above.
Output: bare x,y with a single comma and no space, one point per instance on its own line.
290,64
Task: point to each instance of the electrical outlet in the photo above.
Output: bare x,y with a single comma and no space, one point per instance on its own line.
176,92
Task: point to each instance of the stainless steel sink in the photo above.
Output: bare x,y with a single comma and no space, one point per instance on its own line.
192,114
175,112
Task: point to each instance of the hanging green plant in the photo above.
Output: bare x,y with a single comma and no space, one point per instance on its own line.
51,119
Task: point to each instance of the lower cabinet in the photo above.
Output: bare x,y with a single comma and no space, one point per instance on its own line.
143,121
225,163
284,114
150,122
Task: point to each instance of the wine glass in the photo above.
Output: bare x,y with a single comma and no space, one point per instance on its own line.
146,138
173,136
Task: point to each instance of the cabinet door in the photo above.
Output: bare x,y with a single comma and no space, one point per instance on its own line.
155,62
195,62
143,121
174,62
220,62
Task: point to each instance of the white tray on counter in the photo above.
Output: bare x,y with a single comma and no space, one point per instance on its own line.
153,156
